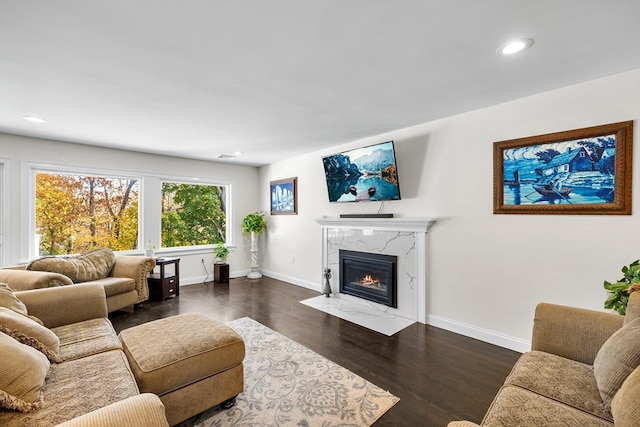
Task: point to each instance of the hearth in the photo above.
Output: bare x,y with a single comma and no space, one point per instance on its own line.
370,276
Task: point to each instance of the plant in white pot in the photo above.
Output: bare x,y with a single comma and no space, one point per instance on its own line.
222,252
254,224
150,248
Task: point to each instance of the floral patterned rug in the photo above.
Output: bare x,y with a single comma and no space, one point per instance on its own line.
286,384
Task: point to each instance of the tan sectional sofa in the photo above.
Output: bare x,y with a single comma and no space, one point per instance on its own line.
123,278
583,370
90,383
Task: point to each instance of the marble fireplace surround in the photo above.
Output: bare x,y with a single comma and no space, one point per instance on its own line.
405,238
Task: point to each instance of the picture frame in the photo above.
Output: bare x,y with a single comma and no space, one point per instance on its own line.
577,172
284,196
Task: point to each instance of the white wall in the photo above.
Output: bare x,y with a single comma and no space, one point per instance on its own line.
486,272
244,181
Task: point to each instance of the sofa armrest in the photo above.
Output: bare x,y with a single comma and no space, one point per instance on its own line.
64,305
143,410
136,268
571,332
24,280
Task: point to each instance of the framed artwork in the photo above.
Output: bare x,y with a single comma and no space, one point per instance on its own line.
284,197
583,171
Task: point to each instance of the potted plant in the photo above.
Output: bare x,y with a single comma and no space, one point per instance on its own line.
620,290
222,252
150,248
254,224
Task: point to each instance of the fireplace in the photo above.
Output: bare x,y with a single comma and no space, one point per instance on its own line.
370,276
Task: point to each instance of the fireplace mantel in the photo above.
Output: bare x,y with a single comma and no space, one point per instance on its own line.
391,224
404,237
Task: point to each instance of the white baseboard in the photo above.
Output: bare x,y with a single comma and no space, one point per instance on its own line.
295,281
486,335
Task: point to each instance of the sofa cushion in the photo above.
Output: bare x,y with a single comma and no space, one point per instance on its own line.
515,406
87,338
23,371
116,285
617,358
9,300
141,410
633,307
87,266
560,379
625,405
30,332
77,387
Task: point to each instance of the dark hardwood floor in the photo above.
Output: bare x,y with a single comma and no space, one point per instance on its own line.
439,376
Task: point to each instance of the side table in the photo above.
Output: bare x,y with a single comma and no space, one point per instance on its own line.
166,283
221,273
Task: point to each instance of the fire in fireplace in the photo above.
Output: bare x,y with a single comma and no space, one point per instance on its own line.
369,276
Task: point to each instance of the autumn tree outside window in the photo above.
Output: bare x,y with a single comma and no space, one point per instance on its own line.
76,212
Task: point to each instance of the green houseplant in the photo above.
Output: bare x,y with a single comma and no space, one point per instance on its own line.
222,252
620,290
254,224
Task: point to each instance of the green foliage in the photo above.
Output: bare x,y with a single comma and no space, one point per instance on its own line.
192,214
254,222
618,291
221,251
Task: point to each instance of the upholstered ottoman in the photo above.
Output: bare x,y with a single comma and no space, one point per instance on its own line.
190,360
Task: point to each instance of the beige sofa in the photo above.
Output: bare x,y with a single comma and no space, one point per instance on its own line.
123,278
90,383
583,370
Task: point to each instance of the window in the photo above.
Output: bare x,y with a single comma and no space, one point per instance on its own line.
193,214
73,209
75,213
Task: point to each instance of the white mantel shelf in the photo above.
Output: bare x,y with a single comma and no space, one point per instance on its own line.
391,224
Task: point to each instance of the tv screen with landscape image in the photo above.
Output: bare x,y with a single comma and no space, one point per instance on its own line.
363,174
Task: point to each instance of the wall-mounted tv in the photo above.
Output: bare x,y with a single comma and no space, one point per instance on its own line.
363,174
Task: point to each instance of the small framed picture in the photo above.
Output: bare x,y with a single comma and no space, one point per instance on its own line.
284,197
583,171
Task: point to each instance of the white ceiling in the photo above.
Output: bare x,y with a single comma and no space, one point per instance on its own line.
277,79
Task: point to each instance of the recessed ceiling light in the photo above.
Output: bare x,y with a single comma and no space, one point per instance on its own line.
515,46
34,119
238,153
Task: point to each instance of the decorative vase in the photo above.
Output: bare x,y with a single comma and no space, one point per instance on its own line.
326,291
255,268
149,252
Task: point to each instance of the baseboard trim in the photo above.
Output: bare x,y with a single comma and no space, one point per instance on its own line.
295,281
485,335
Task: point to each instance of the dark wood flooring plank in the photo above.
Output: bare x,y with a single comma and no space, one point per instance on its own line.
438,375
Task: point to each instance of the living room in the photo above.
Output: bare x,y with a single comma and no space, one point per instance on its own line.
473,255
485,272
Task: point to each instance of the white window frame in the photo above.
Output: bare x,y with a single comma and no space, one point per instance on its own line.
149,215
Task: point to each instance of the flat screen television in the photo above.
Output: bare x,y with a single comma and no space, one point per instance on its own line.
363,174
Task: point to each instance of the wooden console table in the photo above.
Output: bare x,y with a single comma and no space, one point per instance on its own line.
165,284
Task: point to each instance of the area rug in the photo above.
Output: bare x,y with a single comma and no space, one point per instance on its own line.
286,384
